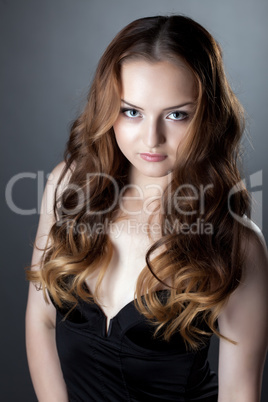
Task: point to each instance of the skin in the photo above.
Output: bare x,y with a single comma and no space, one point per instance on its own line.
157,123
153,88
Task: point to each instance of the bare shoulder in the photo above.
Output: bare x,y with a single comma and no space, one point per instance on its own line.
47,216
255,250
250,300
244,319
56,185
58,170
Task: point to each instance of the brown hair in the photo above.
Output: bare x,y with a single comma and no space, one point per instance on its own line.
202,269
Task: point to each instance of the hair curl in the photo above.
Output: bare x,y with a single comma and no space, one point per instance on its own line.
200,270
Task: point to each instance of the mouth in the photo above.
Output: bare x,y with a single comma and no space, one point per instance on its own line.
150,157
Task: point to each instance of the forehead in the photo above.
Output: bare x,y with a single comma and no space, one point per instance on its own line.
160,83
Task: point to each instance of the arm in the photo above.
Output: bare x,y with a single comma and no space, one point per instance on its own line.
245,320
41,349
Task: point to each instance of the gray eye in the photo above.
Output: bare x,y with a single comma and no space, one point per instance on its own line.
177,115
132,113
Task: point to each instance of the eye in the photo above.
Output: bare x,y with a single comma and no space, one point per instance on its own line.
131,113
177,116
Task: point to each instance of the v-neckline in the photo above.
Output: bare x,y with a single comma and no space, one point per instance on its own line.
108,320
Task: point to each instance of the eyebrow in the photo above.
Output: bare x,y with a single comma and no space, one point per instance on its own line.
167,108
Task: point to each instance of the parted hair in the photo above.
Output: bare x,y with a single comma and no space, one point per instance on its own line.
201,270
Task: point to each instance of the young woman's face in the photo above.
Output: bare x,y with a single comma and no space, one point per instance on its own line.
157,105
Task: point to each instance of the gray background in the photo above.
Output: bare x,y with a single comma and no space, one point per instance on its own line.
49,51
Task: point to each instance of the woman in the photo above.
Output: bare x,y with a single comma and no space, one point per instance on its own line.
150,248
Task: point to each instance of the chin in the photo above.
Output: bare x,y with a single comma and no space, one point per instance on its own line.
157,173
151,169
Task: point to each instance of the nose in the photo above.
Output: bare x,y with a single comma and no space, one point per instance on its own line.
153,133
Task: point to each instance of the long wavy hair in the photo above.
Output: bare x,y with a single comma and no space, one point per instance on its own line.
199,269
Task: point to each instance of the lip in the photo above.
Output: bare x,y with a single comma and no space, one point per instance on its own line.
149,157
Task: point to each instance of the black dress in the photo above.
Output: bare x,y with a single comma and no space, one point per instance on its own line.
126,364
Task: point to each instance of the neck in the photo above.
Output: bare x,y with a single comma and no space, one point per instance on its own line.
144,186
143,194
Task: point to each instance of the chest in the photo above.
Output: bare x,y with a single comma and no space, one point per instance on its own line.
130,244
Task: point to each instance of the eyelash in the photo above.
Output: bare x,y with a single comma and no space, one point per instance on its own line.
124,110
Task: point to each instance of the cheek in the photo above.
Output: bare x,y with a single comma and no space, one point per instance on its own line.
124,133
177,135
119,133
121,138
175,142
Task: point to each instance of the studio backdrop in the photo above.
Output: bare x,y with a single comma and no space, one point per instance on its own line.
49,52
